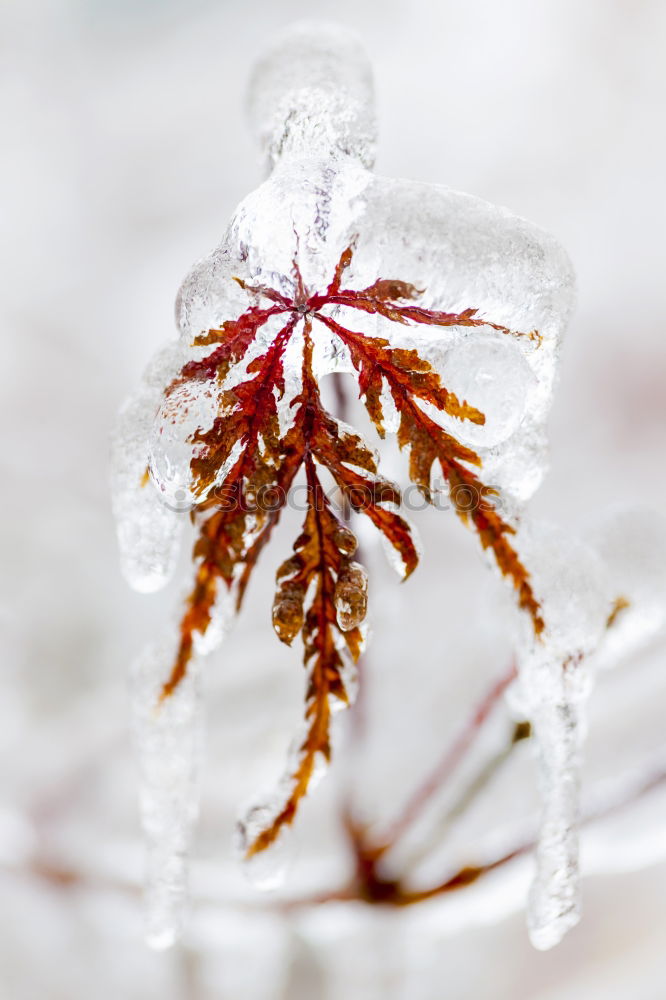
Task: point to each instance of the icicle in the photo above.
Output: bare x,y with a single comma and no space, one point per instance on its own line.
148,531
489,372
555,680
168,737
554,899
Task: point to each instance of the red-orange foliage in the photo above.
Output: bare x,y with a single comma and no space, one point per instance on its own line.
321,592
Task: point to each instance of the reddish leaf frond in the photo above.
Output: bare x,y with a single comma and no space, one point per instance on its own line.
321,565
245,455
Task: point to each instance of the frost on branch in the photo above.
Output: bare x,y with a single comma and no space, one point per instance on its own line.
444,312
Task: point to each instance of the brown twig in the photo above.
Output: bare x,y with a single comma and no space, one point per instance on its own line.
367,885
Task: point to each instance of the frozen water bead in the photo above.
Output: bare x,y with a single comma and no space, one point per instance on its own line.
267,869
492,375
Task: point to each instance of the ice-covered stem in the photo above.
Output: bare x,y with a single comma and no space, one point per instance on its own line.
168,738
312,94
480,780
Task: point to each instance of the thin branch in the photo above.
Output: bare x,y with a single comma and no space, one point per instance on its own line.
469,794
390,893
448,763
467,875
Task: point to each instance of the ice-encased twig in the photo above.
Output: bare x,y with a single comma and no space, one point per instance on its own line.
168,736
148,531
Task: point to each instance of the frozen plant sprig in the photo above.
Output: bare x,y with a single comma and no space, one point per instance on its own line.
473,308
233,531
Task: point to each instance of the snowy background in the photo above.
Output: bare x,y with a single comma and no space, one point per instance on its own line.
124,150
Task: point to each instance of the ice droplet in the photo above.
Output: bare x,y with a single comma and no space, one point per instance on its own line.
393,557
222,616
490,373
345,540
168,739
267,869
351,596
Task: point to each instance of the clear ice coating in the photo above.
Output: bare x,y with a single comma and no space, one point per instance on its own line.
312,110
171,446
311,106
148,531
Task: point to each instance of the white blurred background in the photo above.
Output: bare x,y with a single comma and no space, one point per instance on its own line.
124,150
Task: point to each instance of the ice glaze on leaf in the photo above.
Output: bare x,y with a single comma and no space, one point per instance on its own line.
247,454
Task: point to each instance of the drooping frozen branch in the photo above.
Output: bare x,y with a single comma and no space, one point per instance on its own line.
404,289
